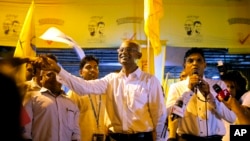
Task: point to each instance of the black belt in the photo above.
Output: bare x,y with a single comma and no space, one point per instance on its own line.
189,137
129,137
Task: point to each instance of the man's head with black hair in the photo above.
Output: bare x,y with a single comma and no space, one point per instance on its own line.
194,61
89,67
192,51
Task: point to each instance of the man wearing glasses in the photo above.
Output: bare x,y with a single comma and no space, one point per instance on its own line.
135,104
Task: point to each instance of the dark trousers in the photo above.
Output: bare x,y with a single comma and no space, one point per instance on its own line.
187,137
143,136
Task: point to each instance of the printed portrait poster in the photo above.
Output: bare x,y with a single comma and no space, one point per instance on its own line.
90,25
104,27
11,20
207,26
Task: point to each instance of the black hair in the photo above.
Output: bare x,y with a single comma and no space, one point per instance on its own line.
52,56
192,51
239,80
88,58
49,55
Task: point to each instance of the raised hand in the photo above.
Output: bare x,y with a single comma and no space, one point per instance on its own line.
45,63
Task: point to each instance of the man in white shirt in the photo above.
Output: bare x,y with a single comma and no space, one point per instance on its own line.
54,117
202,112
135,103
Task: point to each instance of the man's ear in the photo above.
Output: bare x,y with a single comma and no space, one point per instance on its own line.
139,55
80,73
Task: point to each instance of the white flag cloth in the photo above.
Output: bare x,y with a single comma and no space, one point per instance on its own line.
54,34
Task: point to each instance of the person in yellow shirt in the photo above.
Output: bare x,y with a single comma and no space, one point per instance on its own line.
92,107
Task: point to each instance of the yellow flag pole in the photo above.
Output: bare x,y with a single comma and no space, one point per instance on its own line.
148,56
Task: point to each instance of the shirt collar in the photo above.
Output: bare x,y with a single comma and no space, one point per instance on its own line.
135,74
45,90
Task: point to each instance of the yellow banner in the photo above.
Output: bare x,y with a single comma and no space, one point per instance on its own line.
100,25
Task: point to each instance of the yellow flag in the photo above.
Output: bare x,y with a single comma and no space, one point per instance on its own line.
26,43
165,86
146,62
153,12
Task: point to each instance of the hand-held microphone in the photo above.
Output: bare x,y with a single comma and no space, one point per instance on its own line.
177,110
223,93
221,68
195,87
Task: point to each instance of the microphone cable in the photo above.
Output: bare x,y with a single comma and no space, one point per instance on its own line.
206,115
195,91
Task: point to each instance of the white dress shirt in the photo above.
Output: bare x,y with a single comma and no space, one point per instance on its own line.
194,120
53,118
134,103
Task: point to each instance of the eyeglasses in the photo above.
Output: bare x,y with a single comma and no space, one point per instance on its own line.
127,49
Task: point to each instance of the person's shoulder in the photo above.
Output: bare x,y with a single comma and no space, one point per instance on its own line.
110,76
70,102
73,95
148,75
213,81
178,83
246,95
32,94
35,93
245,99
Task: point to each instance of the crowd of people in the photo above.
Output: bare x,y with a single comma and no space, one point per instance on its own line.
126,105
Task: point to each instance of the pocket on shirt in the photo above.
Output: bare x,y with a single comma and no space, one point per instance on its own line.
137,99
70,118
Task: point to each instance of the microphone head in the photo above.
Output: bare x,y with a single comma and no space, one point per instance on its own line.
217,88
177,110
179,103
